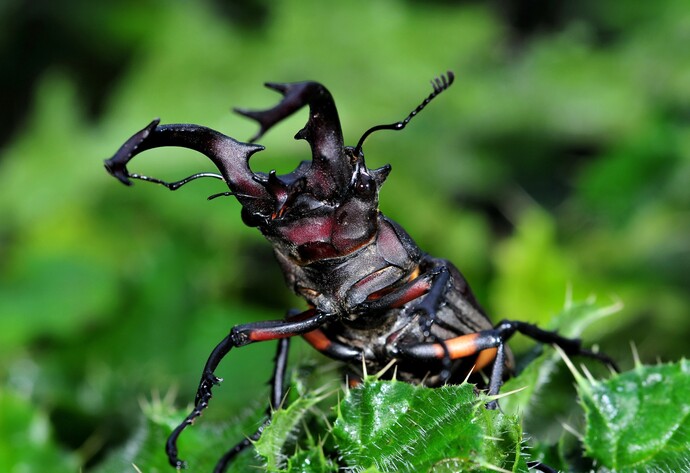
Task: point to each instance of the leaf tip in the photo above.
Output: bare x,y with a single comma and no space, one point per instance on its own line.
579,379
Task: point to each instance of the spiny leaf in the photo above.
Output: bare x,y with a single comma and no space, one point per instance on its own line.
201,445
312,460
281,430
639,421
395,426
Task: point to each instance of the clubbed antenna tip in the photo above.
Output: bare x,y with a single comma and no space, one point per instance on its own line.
439,84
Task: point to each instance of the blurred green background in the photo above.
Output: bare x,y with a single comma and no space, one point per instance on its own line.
557,166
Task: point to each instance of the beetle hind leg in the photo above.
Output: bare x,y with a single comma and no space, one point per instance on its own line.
507,328
490,346
571,346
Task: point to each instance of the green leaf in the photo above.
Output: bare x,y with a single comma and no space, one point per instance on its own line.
201,445
281,430
639,421
27,443
395,426
311,460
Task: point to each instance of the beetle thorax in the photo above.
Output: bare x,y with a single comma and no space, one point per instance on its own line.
310,229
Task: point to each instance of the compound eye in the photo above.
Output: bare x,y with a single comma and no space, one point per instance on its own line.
364,185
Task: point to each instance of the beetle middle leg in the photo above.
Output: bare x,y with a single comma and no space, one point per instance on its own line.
241,335
430,287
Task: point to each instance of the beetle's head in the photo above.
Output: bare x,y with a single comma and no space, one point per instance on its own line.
335,176
334,189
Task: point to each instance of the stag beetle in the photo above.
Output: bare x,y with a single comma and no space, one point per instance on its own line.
373,295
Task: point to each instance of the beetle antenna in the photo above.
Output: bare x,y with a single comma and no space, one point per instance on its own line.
439,84
220,194
173,186
231,194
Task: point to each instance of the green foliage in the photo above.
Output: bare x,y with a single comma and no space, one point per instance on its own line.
27,441
284,422
394,426
201,445
639,421
532,270
559,159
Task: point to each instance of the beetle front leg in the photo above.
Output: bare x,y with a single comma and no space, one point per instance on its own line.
429,304
240,335
277,392
429,285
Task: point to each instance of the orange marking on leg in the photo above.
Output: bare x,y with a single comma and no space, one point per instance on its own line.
466,345
353,382
484,358
463,346
264,335
317,339
414,274
439,352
